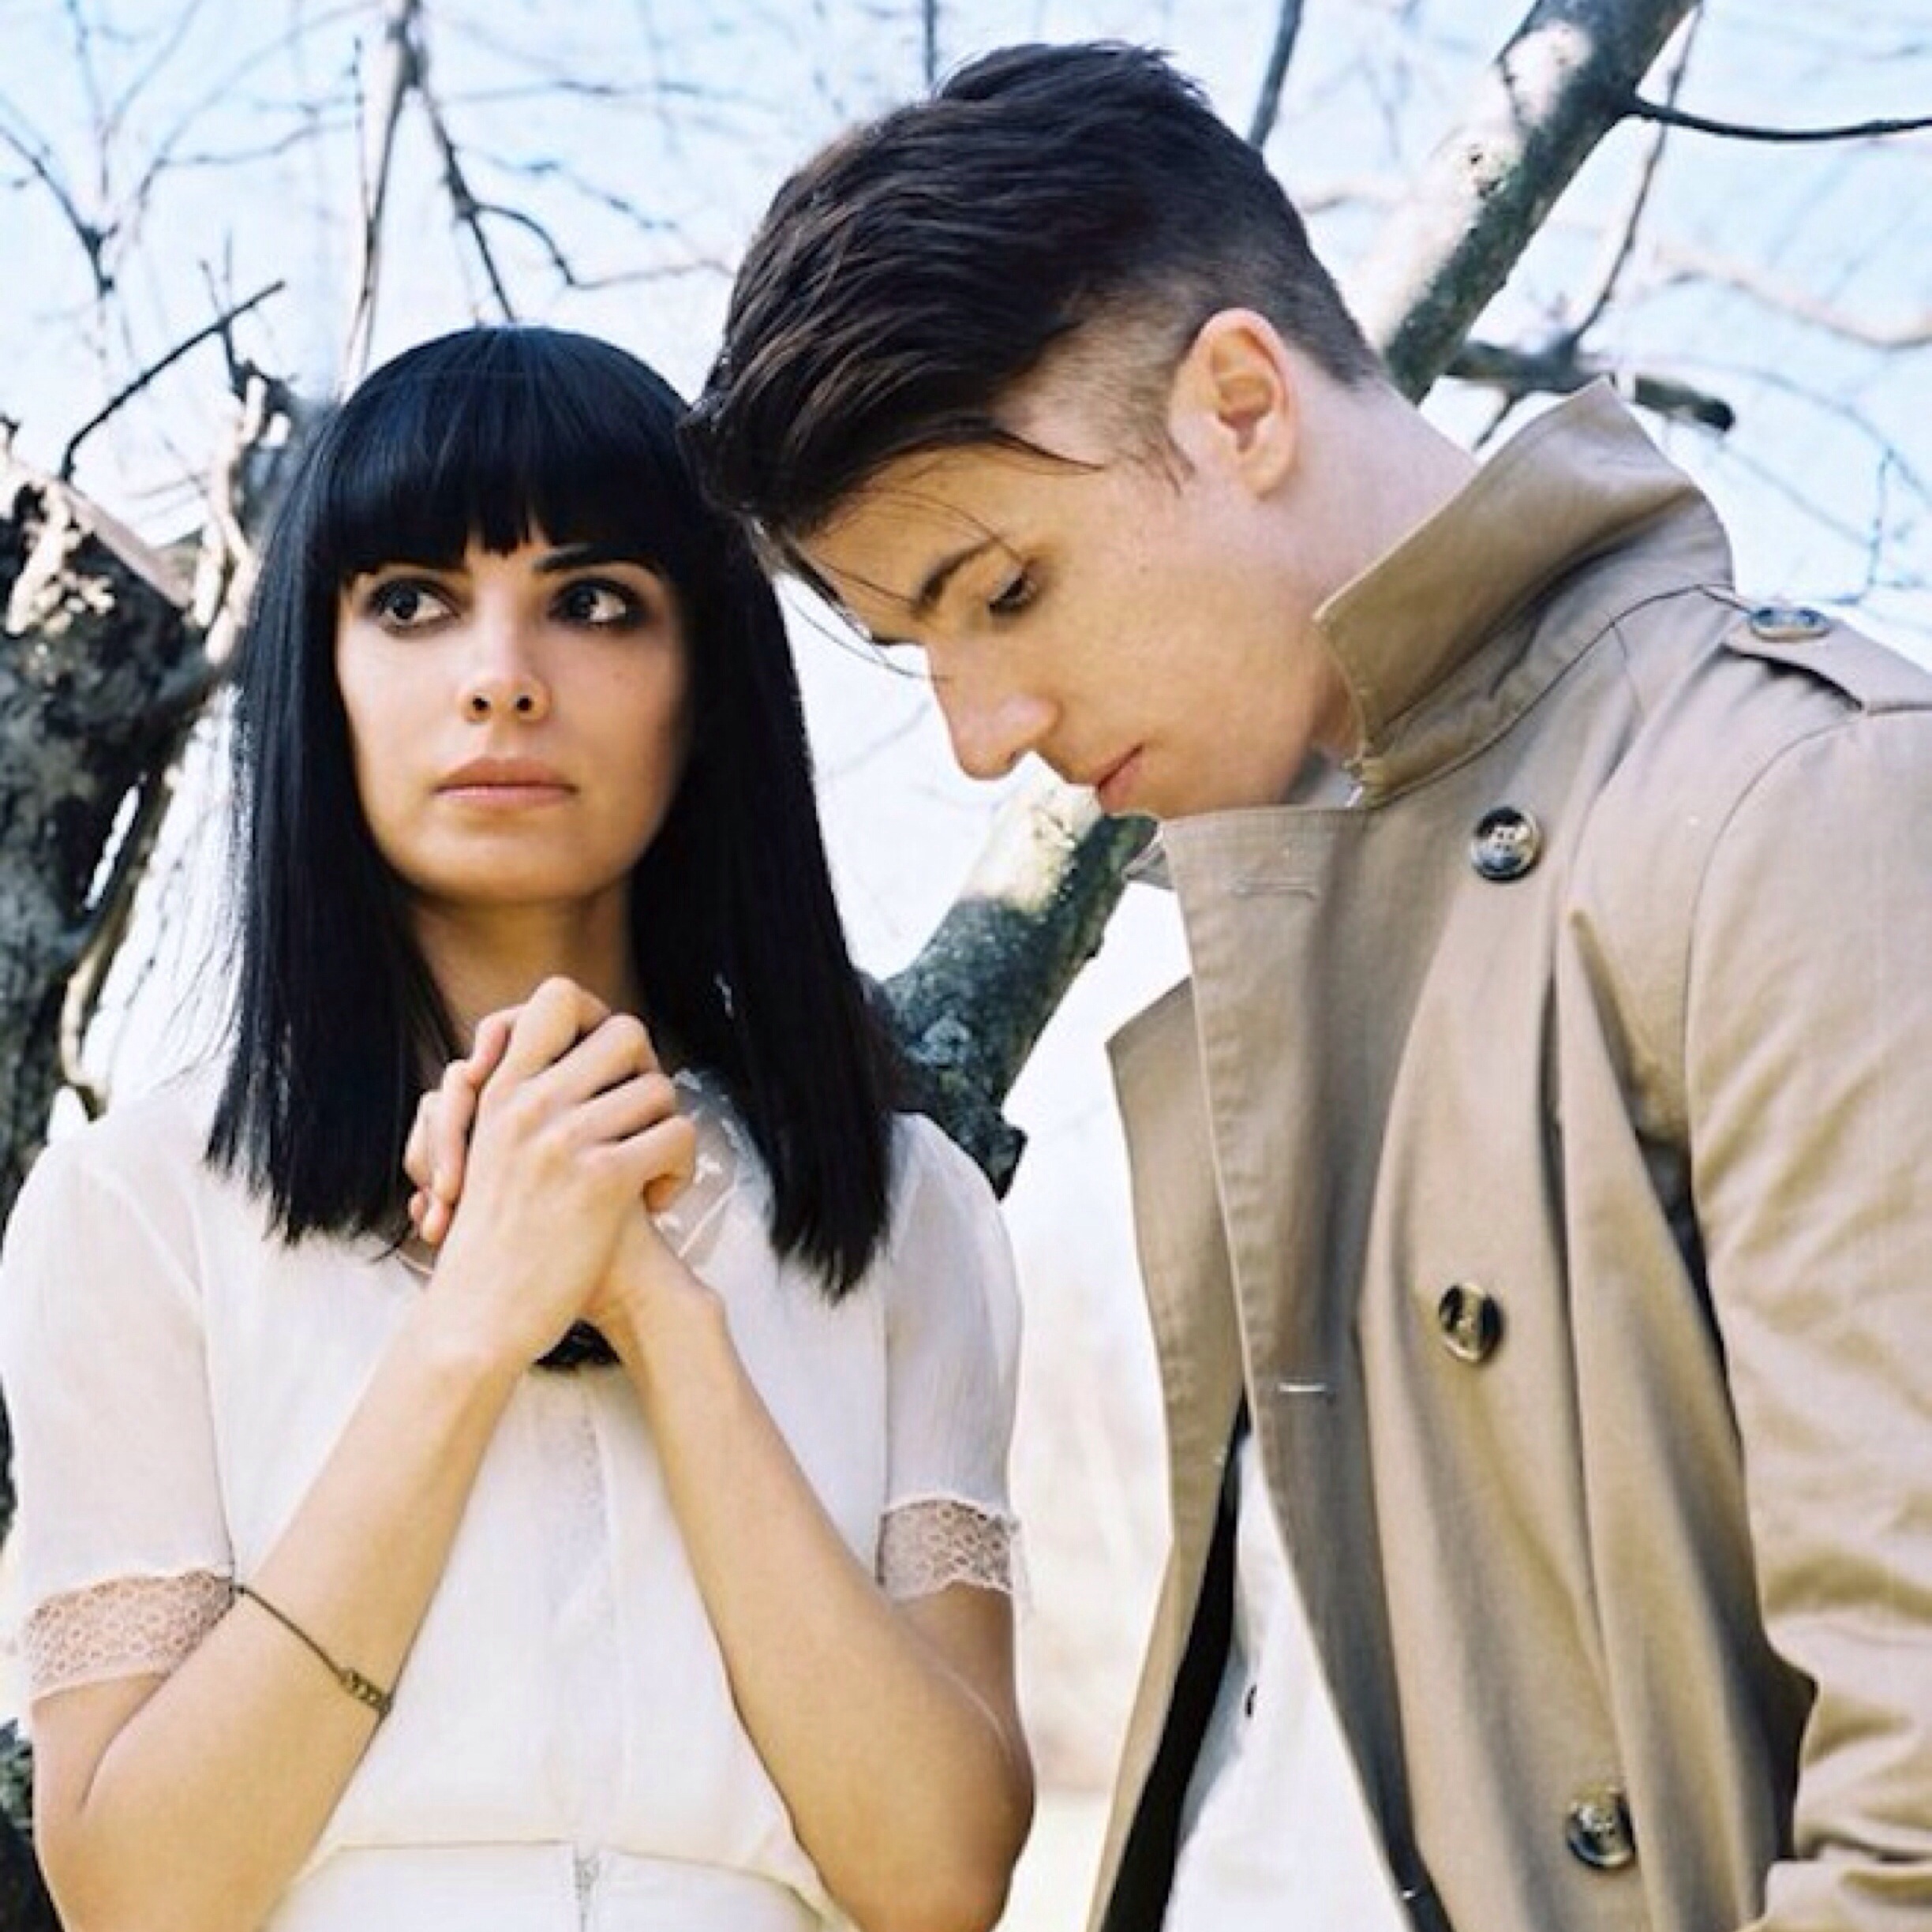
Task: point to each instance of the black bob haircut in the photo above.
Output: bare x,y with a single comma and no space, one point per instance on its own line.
491,435
908,277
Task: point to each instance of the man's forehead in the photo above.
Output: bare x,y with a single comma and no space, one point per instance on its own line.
917,512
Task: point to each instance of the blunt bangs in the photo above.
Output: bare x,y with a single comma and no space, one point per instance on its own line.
493,435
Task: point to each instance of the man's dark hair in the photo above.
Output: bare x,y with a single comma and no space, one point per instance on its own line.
491,435
910,276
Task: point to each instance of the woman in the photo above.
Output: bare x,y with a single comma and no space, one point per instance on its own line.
340,1614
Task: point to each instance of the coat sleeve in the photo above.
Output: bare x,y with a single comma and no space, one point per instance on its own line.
1809,1085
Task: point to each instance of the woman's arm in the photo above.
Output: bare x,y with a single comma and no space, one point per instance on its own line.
893,1730
192,1801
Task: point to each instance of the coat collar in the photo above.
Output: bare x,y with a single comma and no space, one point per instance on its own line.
1439,639
1578,481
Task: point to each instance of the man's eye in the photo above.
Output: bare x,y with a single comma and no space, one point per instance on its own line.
405,604
593,601
1014,596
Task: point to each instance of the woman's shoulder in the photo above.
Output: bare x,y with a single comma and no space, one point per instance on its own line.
148,1148
925,1156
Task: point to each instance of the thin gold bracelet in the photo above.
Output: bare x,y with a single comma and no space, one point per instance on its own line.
358,1686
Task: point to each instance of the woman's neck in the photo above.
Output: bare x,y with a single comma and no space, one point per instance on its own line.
484,960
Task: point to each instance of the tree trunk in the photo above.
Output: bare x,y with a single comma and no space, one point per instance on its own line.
98,668
1563,80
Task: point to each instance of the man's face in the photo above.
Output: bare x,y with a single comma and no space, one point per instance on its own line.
1136,620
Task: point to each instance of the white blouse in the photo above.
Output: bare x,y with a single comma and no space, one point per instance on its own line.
563,1749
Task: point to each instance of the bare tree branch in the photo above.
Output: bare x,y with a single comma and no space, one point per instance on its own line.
93,239
1638,109
1782,293
92,690
1029,917
1268,104
114,910
1557,89
1563,368
122,396
396,70
179,29
470,212
1625,232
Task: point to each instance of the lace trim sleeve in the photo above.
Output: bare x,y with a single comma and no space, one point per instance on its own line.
127,1627
927,1545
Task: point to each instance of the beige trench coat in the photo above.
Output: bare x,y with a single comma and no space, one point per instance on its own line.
1557,1188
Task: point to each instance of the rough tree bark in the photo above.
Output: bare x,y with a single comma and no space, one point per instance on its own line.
99,672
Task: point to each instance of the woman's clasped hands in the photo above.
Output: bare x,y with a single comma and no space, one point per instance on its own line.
559,1133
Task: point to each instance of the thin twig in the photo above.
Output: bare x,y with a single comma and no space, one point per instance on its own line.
400,72
1637,108
1782,293
1267,105
176,31
1562,369
1658,138
106,928
470,212
218,326
93,241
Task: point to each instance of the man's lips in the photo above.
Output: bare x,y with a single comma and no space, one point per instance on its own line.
1112,787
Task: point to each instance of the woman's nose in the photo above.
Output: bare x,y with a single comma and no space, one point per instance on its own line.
502,681
497,694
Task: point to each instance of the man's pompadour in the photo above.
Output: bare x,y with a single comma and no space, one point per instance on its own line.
913,273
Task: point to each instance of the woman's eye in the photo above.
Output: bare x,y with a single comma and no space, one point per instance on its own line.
593,601
405,604
1014,595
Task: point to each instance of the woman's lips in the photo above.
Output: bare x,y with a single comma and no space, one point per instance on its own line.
506,782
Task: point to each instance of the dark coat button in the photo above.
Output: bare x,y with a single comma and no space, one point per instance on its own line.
1506,843
1596,1828
1787,624
1469,1321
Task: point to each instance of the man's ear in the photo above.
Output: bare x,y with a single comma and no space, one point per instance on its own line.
1234,403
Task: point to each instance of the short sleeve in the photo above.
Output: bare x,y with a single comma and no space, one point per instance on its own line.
103,1370
953,1340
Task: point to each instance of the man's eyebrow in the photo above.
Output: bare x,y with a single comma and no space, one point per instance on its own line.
932,586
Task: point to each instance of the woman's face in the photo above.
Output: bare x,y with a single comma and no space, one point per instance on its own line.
519,723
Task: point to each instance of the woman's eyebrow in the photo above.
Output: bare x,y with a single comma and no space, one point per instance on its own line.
575,556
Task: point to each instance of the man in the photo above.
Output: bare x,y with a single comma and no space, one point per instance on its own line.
1534,1177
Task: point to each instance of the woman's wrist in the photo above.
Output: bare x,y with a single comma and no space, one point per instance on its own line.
663,1323
457,1342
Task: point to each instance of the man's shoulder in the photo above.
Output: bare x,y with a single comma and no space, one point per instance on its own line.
1759,678
1721,752
1828,653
